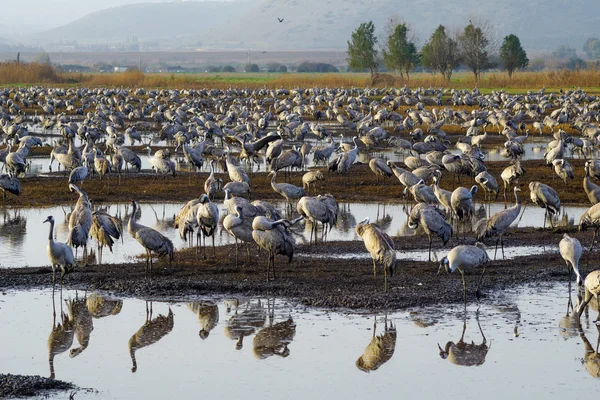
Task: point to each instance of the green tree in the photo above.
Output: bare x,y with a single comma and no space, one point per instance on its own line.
362,54
440,53
512,54
401,54
251,68
474,49
592,48
228,68
575,63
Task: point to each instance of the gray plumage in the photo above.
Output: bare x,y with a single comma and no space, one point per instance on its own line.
59,254
9,184
273,237
380,168
563,169
310,178
207,218
150,239
498,223
105,229
80,221
287,190
511,174
315,210
591,189
545,197
488,183
381,247
431,221
240,228
465,257
591,219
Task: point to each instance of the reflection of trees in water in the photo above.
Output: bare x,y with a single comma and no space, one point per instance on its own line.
381,348
13,228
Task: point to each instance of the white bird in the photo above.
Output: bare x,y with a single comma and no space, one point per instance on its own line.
570,250
545,197
381,247
152,240
59,254
466,257
498,223
511,174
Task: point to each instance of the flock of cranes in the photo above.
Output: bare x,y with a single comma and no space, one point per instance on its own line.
236,128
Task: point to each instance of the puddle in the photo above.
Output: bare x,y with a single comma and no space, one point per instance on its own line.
22,229
514,342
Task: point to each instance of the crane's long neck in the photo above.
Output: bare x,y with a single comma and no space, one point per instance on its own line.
517,199
50,234
132,224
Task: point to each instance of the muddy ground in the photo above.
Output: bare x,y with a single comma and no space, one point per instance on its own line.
325,281
360,185
27,386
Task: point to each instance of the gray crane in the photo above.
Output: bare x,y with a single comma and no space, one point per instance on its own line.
431,220
592,289
105,229
498,223
273,237
315,210
240,228
591,219
591,189
207,218
59,254
381,247
563,169
9,184
465,257
80,221
545,197
287,190
150,239
511,174
488,183
310,178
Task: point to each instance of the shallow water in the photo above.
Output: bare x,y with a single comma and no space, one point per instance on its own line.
528,349
24,235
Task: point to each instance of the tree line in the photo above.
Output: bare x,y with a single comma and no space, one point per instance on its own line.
472,47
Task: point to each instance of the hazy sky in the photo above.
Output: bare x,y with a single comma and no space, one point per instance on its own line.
25,16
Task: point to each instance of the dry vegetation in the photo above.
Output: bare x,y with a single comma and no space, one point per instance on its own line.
34,73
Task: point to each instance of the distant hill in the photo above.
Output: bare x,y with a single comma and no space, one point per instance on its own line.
147,21
327,24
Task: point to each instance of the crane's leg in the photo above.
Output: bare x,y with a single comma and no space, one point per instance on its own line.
429,248
248,251
268,267
385,287
374,270
545,216
477,293
462,274
213,245
502,245
593,238
273,265
236,252
496,251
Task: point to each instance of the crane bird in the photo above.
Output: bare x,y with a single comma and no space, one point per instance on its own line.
563,169
273,237
592,289
461,202
466,257
104,229
9,184
380,168
570,250
287,190
488,183
380,246
240,228
591,189
80,221
545,197
310,178
212,184
315,210
342,164
498,223
207,218
152,240
511,174
432,221
591,219
59,254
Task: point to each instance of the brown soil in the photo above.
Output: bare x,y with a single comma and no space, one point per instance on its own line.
360,185
325,281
